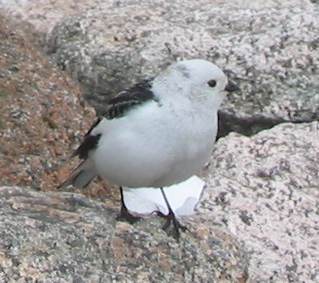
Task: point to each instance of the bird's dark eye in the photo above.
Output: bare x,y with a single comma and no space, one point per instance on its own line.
212,83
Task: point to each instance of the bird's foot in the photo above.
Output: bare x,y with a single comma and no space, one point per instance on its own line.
126,216
177,226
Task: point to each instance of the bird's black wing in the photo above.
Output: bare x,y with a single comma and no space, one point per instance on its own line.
90,142
117,107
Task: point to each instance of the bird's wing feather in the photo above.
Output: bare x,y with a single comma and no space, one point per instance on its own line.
90,142
117,107
128,99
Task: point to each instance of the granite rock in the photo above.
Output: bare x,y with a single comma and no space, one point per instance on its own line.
259,216
43,15
65,237
42,114
270,48
265,190
257,222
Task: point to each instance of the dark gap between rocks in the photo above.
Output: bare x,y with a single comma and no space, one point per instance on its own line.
246,126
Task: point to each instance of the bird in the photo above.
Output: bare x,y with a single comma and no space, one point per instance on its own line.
157,133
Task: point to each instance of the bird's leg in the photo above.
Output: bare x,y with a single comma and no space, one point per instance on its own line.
125,215
171,218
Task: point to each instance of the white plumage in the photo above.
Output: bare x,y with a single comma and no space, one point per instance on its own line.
163,142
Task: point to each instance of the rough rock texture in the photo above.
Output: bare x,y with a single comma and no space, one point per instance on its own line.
50,237
63,237
44,14
270,48
42,114
265,190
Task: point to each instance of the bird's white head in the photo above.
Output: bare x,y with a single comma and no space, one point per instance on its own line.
198,79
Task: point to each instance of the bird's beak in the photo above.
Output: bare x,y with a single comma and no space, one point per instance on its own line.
231,86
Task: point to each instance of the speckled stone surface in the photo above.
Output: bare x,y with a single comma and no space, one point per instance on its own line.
44,14
259,216
257,222
51,237
42,114
64,237
265,190
270,48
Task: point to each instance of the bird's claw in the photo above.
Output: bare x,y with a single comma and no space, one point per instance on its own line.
177,226
127,217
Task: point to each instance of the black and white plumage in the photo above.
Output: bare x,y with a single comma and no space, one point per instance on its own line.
127,99
117,107
157,133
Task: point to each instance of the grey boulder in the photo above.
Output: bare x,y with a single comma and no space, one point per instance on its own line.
269,48
265,190
257,221
65,237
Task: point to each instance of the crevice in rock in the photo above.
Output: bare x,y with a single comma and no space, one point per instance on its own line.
247,126
250,126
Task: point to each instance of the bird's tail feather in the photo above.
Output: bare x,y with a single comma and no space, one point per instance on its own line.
81,176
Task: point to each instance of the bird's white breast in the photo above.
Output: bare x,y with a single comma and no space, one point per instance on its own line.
156,144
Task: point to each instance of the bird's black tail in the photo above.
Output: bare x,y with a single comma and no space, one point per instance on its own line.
81,176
